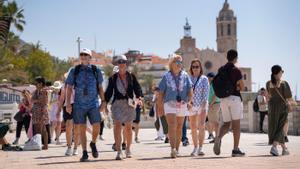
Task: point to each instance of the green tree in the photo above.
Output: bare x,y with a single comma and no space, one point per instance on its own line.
13,42
40,64
60,67
147,82
135,70
12,67
108,70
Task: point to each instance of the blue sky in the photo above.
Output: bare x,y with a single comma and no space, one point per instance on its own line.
267,30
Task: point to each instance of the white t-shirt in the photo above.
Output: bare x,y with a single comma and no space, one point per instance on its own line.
262,103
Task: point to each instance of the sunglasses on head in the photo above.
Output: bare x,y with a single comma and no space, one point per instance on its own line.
122,61
195,67
84,54
178,62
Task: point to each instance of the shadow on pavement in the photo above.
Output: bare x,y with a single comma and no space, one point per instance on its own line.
166,145
262,144
106,151
212,158
163,158
156,158
152,143
46,157
69,162
262,156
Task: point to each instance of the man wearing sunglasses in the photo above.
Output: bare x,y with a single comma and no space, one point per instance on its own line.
86,79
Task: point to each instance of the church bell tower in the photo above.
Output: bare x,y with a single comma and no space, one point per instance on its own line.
226,29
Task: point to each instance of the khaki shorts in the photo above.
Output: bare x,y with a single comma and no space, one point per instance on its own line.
232,108
214,113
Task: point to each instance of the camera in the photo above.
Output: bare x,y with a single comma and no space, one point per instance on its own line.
178,98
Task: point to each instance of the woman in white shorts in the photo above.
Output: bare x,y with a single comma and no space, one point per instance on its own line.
174,100
200,106
55,117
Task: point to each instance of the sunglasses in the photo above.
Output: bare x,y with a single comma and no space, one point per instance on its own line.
178,62
195,67
84,54
122,61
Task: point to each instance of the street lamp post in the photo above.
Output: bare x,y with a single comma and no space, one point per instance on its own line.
79,40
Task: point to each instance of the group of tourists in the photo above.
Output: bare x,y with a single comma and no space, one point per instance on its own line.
180,96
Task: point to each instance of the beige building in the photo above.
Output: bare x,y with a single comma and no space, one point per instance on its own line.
212,60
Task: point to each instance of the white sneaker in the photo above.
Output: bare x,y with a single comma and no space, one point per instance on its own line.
16,142
68,152
173,153
75,152
194,153
101,138
285,152
200,152
274,151
119,155
137,140
128,154
159,138
57,141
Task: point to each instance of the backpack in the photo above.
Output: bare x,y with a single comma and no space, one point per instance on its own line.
255,105
222,83
77,70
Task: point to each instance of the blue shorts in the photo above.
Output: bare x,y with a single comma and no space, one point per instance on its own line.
80,114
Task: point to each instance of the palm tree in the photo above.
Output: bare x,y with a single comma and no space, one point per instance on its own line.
15,14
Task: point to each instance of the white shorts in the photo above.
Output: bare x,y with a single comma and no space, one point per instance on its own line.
198,110
53,111
171,108
232,108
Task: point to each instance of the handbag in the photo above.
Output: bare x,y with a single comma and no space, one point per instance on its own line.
18,116
131,103
289,104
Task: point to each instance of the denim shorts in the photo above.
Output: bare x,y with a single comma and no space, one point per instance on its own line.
80,114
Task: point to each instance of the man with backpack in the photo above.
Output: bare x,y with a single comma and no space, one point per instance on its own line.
86,79
227,85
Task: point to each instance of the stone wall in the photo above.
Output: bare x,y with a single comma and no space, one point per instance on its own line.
250,122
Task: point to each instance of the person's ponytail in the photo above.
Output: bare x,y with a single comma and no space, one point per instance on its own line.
273,79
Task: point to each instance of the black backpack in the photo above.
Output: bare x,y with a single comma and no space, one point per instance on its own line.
222,83
77,70
255,105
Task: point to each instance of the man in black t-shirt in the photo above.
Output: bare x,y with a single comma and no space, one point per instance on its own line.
232,106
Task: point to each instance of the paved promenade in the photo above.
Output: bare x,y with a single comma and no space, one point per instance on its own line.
155,155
